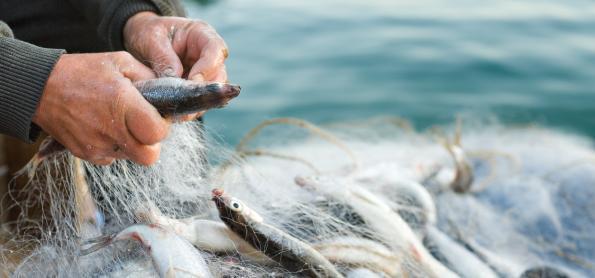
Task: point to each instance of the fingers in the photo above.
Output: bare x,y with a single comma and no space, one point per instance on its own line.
165,62
149,37
144,127
142,154
111,120
221,75
210,63
132,68
142,119
126,148
176,46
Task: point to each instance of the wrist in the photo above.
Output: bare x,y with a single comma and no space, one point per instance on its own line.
42,107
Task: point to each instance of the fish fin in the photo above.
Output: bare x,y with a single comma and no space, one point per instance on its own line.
96,244
97,239
93,248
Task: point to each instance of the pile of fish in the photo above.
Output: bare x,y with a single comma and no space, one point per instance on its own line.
370,199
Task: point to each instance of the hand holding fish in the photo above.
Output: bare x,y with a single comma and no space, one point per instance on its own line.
90,105
177,47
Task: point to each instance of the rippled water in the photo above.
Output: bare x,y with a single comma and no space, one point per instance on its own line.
328,60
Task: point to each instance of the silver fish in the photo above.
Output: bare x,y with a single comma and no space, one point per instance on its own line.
171,96
290,252
172,256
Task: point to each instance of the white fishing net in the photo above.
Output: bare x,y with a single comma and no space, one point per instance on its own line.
530,205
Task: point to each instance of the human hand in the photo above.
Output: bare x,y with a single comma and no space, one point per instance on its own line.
175,46
91,107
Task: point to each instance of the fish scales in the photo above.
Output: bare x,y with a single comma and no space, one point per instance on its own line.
175,96
172,255
290,252
171,96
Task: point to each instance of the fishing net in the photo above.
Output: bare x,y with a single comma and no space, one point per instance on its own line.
530,205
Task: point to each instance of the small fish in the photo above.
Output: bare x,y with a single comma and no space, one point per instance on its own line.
212,236
175,96
172,256
402,190
456,256
504,266
378,216
361,253
171,96
543,272
291,253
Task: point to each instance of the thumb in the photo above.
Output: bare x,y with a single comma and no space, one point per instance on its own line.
142,119
163,59
132,68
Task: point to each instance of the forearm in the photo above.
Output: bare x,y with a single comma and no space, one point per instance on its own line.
24,70
111,16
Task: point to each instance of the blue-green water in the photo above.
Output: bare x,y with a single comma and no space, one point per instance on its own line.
330,60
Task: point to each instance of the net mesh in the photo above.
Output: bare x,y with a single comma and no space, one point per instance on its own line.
530,204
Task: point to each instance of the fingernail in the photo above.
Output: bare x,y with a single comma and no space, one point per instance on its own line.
168,72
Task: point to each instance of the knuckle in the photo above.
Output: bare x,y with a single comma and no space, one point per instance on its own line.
120,86
200,23
123,55
117,95
118,108
153,28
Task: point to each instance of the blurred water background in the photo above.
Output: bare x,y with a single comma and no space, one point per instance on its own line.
527,61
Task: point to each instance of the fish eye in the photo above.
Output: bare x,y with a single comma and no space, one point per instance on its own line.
235,204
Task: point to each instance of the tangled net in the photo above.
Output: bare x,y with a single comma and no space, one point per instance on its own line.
529,206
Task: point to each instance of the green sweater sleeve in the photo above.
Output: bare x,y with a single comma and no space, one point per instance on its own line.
111,16
24,69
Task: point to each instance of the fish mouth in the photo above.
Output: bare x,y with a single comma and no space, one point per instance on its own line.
217,197
217,192
230,91
225,213
300,181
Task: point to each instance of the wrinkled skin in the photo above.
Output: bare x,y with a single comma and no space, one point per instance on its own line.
90,106
179,47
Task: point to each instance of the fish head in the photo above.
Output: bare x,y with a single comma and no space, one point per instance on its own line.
221,93
319,184
232,209
226,89
310,183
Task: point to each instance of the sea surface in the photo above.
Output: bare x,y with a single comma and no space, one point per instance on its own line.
521,62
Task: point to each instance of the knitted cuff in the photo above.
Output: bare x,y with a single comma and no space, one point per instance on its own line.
24,70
